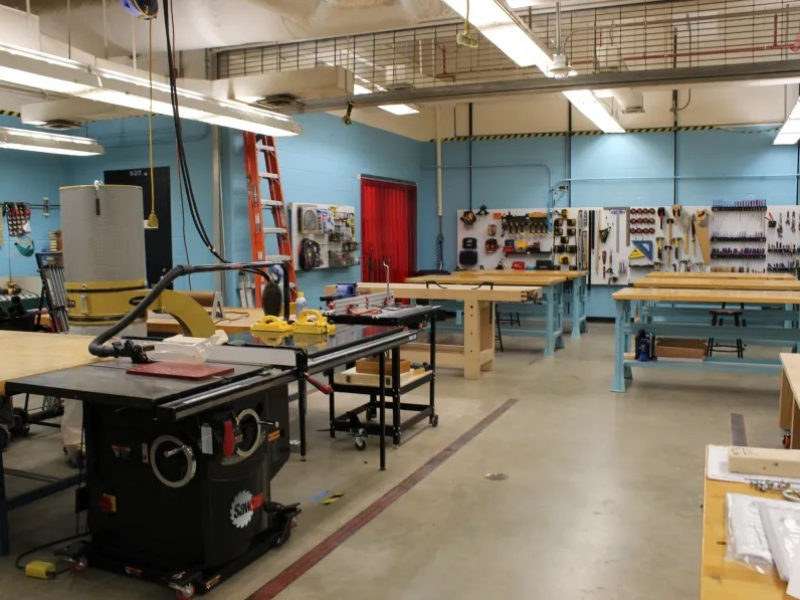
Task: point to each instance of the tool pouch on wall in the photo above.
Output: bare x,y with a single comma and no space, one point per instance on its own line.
468,258
491,245
469,243
309,255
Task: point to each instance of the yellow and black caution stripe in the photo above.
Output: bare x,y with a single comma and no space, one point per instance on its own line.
520,136
9,113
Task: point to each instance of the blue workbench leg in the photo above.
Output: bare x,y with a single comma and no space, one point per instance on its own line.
584,290
560,318
5,546
619,348
549,342
576,309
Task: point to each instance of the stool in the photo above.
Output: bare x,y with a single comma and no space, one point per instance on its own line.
717,318
512,319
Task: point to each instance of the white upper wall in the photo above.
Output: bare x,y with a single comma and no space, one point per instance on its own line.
729,105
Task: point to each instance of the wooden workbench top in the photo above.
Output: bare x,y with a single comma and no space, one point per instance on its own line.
721,579
497,275
719,283
26,354
791,368
667,274
521,280
507,293
714,296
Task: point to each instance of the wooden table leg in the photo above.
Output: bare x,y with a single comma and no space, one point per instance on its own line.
487,334
472,339
787,399
795,443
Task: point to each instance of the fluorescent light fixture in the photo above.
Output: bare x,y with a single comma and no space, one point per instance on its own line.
594,110
790,132
399,109
52,73
504,29
359,89
35,141
786,139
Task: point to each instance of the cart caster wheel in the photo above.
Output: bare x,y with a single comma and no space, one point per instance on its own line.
786,442
80,565
5,437
185,592
434,421
360,443
21,425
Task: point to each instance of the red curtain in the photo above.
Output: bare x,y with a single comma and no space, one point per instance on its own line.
388,229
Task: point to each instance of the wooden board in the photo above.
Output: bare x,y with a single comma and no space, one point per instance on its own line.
352,377
26,354
775,462
238,320
173,370
715,296
371,366
462,292
719,283
490,277
700,274
721,579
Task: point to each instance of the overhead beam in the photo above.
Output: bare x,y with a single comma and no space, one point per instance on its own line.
775,72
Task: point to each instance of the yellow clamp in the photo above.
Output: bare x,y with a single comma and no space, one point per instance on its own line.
271,324
311,321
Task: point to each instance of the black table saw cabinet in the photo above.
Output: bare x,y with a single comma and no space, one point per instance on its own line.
165,494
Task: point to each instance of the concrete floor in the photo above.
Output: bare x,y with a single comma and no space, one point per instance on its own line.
602,501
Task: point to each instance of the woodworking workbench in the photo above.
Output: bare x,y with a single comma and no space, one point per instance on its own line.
719,283
28,354
571,284
721,275
789,413
478,352
721,579
684,313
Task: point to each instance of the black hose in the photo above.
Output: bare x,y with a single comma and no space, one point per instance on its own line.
98,348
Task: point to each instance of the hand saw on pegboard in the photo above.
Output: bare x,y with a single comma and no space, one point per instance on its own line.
18,215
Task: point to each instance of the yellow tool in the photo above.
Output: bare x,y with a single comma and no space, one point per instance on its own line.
40,569
636,254
313,322
271,324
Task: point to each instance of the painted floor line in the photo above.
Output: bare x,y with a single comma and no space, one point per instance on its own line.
306,562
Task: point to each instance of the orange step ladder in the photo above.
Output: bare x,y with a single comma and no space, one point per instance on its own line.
255,144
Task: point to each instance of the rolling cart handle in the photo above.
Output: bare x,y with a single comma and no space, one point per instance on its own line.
98,345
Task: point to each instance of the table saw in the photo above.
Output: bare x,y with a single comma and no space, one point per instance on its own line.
179,462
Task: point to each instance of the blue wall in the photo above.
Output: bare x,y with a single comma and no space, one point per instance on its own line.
607,170
321,166
28,177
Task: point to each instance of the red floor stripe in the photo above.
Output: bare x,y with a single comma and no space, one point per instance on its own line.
305,563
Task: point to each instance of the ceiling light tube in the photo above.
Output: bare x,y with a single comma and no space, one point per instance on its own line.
594,110
36,141
504,29
790,132
54,74
400,110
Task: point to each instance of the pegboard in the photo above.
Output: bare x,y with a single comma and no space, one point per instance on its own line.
619,245
332,226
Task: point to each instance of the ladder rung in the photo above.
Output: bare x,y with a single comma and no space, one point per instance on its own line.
271,203
265,175
274,230
264,147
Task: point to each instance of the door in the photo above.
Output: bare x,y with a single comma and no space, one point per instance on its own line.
388,229
157,242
